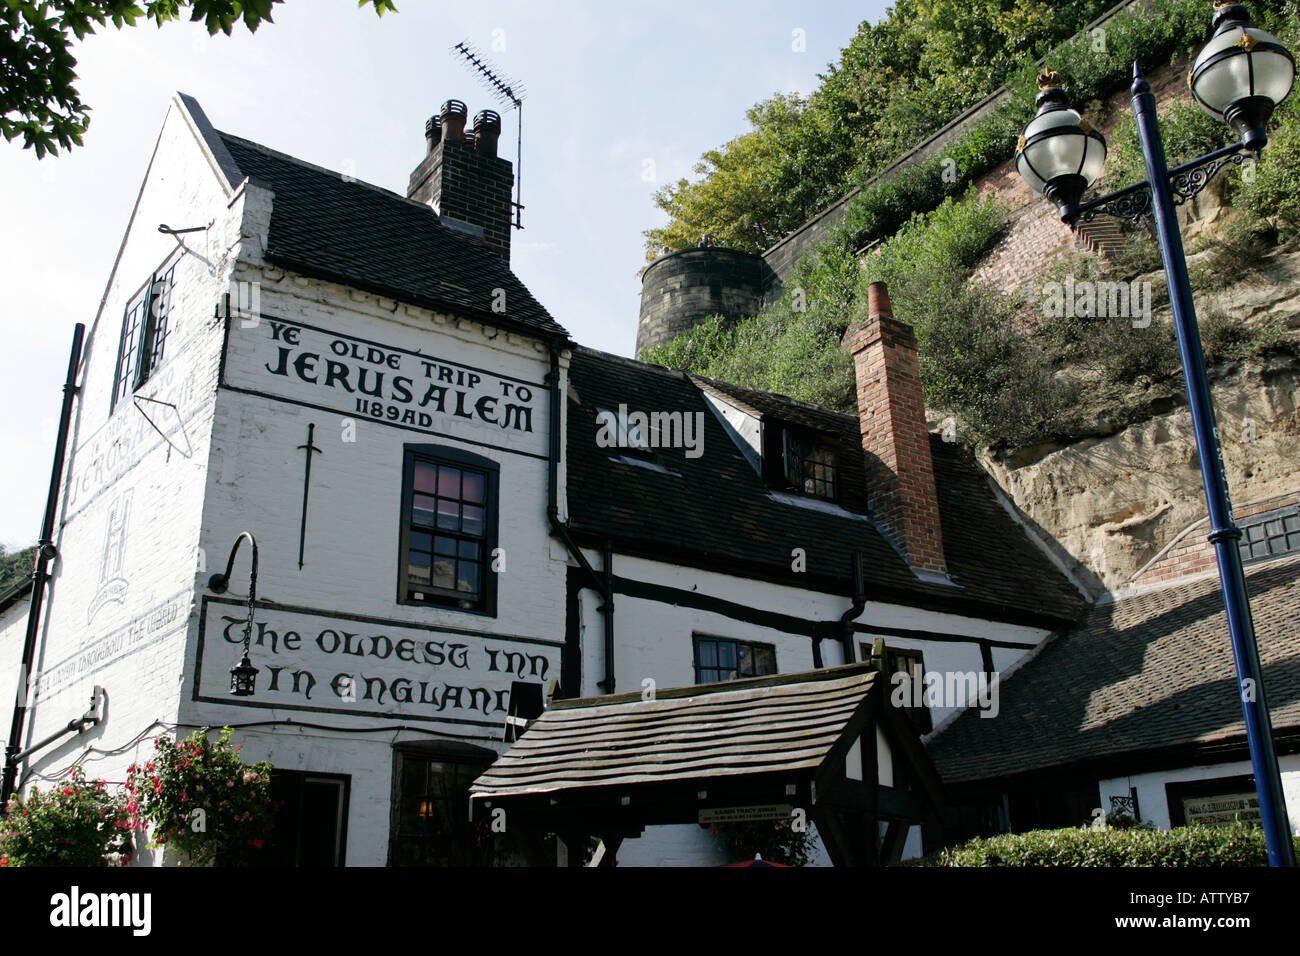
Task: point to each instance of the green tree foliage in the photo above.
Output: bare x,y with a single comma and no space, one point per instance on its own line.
38,96
1187,131
1012,375
794,347
741,189
896,82
15,568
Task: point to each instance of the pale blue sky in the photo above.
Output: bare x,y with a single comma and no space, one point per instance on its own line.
609,87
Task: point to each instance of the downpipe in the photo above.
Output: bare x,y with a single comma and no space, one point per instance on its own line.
602,584
45,553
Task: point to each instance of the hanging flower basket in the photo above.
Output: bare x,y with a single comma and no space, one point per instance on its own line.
202,801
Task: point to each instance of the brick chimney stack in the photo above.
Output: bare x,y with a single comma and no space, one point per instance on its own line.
891,415
462,177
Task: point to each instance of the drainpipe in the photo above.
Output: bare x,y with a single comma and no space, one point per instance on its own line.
45,552
849,616
601,584
607,612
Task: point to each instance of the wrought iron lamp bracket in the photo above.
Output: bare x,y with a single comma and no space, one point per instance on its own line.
1185,182
1131,204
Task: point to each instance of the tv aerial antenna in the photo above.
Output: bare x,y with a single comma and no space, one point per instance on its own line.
510,94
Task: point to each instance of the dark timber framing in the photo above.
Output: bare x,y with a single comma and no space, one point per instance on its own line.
611,766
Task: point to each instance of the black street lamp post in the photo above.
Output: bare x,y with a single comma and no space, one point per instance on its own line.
1239,77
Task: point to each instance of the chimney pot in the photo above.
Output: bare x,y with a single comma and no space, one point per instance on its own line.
487,131
468,185
433,132
878,301
453,115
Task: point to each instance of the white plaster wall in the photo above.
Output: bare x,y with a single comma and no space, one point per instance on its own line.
653,640
134,488
1154,805
351,557
13,629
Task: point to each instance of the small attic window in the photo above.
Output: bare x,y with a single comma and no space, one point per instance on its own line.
1270,535
801,461
626,433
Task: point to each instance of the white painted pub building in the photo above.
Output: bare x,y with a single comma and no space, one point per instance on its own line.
452,501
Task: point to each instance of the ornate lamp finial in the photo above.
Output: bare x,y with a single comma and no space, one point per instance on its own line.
1049,79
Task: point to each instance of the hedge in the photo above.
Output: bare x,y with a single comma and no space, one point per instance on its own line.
1229,846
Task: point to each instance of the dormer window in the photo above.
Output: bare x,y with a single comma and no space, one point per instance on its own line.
801,461
810,466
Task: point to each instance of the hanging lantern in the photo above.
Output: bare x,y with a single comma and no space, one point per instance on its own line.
243,677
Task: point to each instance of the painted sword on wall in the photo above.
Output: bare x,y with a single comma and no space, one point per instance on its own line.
306,488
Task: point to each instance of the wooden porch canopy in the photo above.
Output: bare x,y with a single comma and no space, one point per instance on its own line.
825,741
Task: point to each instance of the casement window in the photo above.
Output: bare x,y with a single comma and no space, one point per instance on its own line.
800,461
145,329
449,528
1269,535
430,817
810,466
719,659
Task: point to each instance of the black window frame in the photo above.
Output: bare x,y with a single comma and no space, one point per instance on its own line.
147,318
473,761
447,456
787,453
700,668
1250,541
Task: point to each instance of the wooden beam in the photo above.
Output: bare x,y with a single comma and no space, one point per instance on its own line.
830,827
573,844
891,847
605,853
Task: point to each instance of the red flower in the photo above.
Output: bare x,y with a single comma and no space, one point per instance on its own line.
256,843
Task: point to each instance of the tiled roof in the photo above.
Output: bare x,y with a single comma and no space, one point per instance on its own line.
767,405
715,511
15,594
363,236
1149,671
700,734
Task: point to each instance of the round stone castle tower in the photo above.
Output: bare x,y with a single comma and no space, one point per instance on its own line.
680,289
